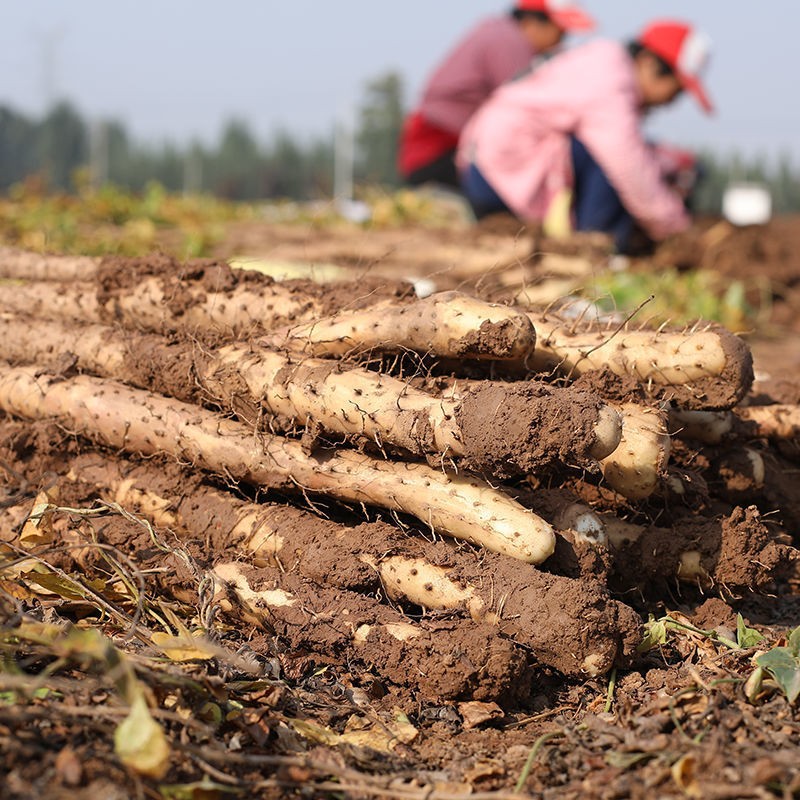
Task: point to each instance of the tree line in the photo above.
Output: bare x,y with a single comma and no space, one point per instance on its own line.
240,167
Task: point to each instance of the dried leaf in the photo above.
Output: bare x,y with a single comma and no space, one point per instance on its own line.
186,647
139,741
205,789
475,713
684,772
68,767
318,734
372,734
56,584
38,528
16,590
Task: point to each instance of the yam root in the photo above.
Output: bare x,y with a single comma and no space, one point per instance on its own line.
708,427
200,296
141,422
448,324
532,425
448,661
375,557
579,611
29,266
636,467
702,368
149,306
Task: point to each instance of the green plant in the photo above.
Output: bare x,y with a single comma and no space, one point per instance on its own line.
783,666
677,297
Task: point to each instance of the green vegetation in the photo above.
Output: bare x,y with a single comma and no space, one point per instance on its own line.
674,296
237,167
783,666
112,221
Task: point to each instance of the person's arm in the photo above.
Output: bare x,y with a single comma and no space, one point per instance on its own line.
611,131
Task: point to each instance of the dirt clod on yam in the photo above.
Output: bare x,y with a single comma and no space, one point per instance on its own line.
526,425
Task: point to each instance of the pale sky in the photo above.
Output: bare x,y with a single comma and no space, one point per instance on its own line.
176,69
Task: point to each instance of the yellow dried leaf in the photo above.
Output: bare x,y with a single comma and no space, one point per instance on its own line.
52,583
318,734
38,528
360,731
16,590
139,741
684,772
187,647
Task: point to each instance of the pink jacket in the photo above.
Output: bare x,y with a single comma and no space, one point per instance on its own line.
489,55
520,138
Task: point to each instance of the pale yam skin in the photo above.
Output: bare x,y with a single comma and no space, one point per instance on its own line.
636,467
703,368
141,422
144,306
253,381
448,324
29,266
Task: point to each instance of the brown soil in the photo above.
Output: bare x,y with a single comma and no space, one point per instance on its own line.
326,697
533,426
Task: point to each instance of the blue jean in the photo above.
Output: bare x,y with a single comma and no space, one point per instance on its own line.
596,204
483,199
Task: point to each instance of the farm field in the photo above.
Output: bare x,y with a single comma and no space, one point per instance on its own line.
394,509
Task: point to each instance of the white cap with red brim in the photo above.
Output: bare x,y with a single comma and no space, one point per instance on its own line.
567,14
686,50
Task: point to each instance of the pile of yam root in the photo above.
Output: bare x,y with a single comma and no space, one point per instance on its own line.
448,492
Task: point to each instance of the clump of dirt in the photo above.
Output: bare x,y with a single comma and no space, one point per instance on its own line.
447,660
768,251
526,426
619,388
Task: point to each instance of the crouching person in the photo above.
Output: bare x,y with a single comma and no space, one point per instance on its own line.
574,126
495,51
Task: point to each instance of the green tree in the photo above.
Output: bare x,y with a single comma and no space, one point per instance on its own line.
380,122
18,156
236,170
63,144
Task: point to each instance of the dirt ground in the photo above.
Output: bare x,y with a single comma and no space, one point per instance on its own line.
292,707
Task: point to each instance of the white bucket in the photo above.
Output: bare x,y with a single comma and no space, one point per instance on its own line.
747,204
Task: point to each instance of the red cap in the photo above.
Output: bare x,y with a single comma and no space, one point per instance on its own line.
685,49
566,14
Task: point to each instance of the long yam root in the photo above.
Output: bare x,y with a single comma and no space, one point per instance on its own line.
532,424
141,422
707,368
29,266
449,324
148,306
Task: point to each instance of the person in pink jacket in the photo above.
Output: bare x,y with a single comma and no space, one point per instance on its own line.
489,55
574,124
